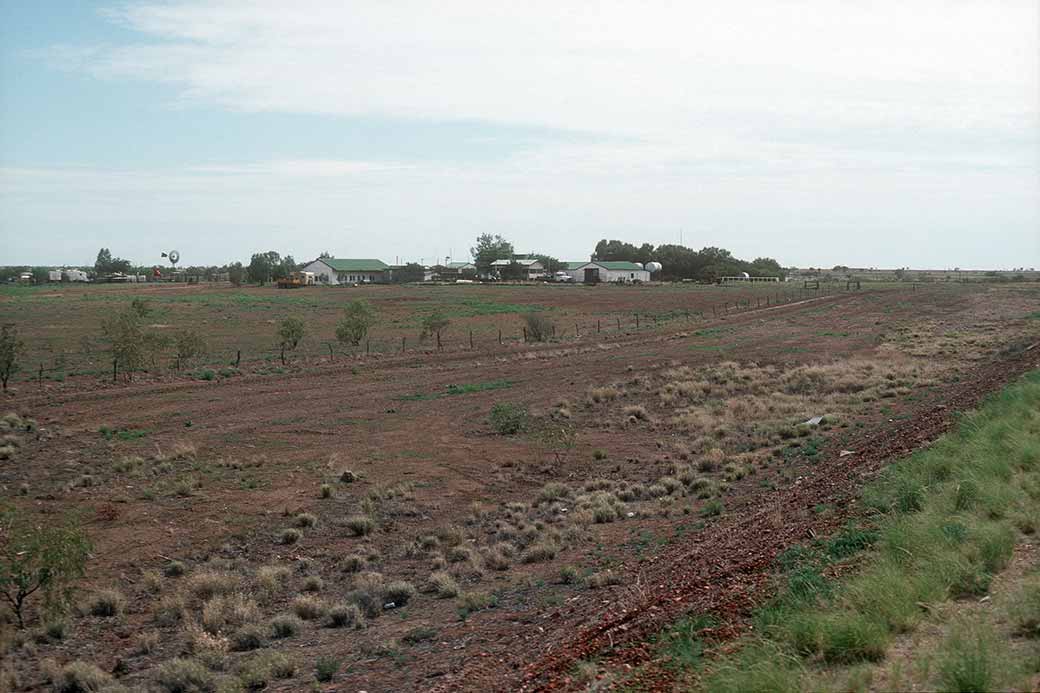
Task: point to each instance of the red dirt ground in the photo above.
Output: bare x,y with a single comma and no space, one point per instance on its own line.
281,429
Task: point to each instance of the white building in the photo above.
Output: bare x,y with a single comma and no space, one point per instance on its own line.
329,270
608,271
529,268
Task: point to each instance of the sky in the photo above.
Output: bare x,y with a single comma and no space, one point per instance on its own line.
817,132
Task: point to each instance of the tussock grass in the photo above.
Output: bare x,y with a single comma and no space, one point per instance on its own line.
183,676
80,677
946,519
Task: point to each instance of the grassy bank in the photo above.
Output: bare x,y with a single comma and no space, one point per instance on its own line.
943,523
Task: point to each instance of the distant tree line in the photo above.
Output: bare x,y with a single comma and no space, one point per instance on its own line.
680,262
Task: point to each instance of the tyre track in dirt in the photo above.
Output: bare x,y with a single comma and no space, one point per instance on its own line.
725,569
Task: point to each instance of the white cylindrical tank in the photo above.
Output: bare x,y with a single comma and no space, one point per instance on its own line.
745,275
653,267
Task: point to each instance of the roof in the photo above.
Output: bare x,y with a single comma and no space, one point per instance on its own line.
615,265
354,265
527,262
459,265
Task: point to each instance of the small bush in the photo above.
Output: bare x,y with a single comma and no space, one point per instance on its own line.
508,419
539,552
603,579
247,638
353,563
346,616
184,676
399,592
539,327
1025,612
289,535
599,455
326,491
285,626
106,603
207,584
444,585
848,638
969,660
313,583
474,601
304,520
712,508
271,578
360,525
325,669
80,677
569,575
309,608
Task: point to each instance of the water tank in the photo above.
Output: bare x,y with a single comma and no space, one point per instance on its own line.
745,275
653,267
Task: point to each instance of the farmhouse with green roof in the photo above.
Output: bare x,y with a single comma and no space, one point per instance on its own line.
333,270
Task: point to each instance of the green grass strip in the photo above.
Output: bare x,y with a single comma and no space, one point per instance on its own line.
947,520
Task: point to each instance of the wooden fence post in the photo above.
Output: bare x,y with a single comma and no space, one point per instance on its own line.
238,358
471,339
597,326
619,323
368,346
525,335
637,321
438,339
283,354
332,355
41,375
500,337
577,331
115,369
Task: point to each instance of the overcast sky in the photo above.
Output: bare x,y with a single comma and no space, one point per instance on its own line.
817,132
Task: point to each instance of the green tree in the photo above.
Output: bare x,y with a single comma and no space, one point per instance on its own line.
433,323
290,332
190,345
488,249
39,559
411,272
10,350
358,317
236,273
103,261
552,265
262,267
127,340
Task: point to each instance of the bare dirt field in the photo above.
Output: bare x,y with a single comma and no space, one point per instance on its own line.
631,475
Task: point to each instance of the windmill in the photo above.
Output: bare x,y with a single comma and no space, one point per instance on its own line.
174,257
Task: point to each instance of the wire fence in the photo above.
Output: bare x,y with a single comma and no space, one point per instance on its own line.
224,363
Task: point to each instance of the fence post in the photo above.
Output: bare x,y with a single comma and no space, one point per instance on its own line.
238,358
368,346
553,330
637,321
283,354
619,323
525,335
500,336
402,344
471,339
577,330
332,355
41,375
115,369
438,339
597,326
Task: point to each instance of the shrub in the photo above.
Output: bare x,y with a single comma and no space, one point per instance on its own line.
433,323
399,592
358,317
326,491
474,601
360,525
80,677
443,585
206,584
39,559
290,333
603,579
712,508
305,520
10,350
325,669
599,455
352,563
313,583
969,660
636,411
271,578
508,419
309,608
184,676
848,638
1025,612
539,327
224,612
346,616
285,626
539,552
289,535
246,638
106,603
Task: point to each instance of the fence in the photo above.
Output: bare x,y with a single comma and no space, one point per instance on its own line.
226,363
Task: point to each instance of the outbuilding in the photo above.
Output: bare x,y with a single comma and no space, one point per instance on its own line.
330,270
610,271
